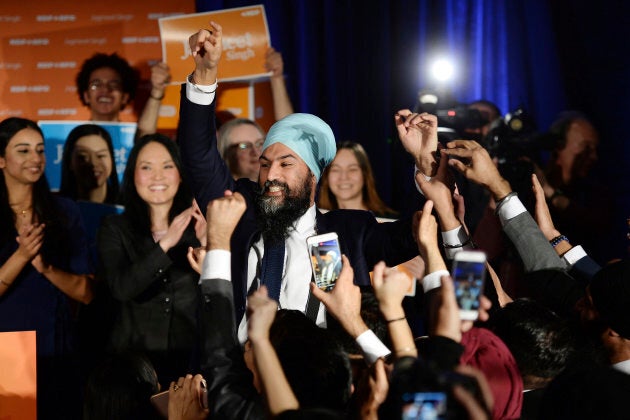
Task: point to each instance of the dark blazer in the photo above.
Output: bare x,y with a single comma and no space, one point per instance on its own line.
364,241
156,294
231,392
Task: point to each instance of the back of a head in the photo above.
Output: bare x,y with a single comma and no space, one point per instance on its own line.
316,367
597,392
537,338
120,388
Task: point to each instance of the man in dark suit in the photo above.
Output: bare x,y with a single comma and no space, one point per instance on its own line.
280,207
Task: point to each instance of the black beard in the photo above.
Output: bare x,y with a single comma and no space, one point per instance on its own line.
275,222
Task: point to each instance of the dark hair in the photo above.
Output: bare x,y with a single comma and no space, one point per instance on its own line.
560,127
68,186
44,208
316,367
371,199
489,104
121,388
129,76
539,340
136,209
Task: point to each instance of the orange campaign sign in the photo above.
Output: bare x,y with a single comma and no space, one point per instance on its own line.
18,382
245,41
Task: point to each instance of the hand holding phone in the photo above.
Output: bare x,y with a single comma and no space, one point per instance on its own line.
469,268
325,259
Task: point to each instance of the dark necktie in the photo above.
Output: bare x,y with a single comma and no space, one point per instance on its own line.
271,269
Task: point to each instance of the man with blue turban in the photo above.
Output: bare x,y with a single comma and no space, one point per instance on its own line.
281,213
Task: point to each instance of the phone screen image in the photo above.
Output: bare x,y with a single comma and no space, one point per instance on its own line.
468,277
326,262
424,406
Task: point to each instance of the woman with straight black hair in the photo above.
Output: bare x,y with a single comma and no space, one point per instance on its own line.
142,255
44,265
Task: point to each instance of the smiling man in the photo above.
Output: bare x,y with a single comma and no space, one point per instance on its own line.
281,211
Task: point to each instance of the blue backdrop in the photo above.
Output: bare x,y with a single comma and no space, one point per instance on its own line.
355,63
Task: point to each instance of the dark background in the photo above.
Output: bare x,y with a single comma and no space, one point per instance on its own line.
354,63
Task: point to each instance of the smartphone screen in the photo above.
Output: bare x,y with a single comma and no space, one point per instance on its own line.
325,259
424,406
468,276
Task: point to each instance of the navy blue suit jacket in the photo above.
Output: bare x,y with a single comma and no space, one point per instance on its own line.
362,239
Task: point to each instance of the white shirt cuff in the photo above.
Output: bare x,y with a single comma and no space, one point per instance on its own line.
511,208
433,280
200,94
217,265
454,237
427,178
574,255
372,347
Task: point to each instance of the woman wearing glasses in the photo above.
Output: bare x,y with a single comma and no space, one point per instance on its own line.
106,84
240,142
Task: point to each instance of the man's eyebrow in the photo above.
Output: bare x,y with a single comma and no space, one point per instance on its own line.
279,158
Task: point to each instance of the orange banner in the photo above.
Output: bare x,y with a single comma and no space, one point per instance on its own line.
18,381
43,46
245,40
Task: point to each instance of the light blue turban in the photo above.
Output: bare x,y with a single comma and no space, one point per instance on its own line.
308,136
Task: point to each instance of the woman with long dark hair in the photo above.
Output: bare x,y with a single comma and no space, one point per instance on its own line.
143,259
88,170
44,264
348,183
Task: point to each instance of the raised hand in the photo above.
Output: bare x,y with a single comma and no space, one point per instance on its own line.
262,311
223,214
206,47
160,78
274,63
418,134
543,217
344,300
390,287
476,165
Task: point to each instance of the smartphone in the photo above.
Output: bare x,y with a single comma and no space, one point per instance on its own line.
424,406
325,259
469,272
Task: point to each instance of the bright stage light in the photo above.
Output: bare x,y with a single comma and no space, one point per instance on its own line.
442,70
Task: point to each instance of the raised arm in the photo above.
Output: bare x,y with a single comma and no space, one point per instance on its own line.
418,134
207,172
281,102
160,77
474,162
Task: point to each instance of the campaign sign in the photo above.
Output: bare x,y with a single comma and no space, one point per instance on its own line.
56,132
245,41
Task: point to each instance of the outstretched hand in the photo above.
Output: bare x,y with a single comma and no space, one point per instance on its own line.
475,164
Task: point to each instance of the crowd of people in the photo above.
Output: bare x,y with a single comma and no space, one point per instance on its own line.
202,287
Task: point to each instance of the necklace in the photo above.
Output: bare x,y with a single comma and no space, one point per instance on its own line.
23,212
